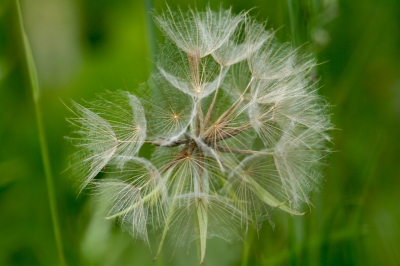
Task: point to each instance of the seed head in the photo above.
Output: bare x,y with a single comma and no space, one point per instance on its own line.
237,125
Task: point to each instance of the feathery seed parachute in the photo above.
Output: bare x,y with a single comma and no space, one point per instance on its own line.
237,125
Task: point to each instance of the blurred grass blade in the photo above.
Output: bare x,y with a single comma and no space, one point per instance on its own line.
34,84
292,22
150,29
33,78
247,247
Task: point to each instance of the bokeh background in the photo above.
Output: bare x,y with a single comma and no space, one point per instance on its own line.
82,47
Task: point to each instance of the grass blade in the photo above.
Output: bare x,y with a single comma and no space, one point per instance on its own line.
34,85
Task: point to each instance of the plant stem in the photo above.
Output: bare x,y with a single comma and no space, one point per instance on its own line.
292,22
247,245
34,84
296,224
151,35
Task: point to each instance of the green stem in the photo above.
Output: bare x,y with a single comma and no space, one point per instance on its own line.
297,224
151,35
292,21
34,84
247,245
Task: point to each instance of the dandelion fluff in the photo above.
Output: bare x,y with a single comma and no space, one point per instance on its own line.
198,33
238,127
96,142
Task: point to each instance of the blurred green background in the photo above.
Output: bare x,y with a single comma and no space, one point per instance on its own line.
84,47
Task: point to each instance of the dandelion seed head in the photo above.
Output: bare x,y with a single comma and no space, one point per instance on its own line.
238,128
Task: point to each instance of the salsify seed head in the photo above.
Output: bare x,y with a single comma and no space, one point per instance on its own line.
236,122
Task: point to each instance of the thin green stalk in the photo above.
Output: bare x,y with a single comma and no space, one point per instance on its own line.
292,22
150,29
34,84
247,245
296,223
